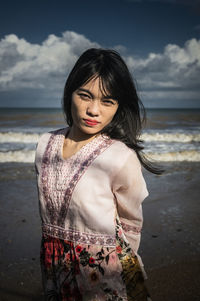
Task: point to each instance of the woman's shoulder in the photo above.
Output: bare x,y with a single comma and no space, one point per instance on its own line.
122,151
43,141
45,136
119,155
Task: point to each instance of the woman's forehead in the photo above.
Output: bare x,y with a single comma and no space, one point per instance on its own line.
97,85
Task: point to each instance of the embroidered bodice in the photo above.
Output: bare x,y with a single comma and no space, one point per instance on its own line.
81,196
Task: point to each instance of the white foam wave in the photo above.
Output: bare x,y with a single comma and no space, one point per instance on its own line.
18,156
147,137
191,156
171,137
159,145
27,156
19,137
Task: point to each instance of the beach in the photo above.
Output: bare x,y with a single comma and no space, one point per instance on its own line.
170,246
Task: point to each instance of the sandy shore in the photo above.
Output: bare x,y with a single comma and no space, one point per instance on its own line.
170,246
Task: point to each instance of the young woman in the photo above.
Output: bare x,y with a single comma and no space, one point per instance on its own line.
91,186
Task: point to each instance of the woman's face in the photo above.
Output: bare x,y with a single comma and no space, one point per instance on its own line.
91,110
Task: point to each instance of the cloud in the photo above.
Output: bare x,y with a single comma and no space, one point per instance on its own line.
175,73
25,65
176,68
38,71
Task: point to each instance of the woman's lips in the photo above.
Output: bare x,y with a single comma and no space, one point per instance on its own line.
91,122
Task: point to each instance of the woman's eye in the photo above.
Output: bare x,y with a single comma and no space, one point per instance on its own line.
108,102
83,96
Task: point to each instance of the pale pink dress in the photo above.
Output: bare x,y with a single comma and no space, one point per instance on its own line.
90,207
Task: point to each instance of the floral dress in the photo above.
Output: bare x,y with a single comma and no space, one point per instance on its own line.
90,207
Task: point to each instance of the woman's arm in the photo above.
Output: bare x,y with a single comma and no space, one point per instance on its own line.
130,190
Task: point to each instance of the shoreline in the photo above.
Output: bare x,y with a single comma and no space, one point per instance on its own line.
170,247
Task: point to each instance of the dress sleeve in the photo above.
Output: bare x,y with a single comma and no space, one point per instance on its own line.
130,190
43,140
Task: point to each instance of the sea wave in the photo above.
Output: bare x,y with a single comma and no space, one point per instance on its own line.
25,156
19,137
28,156
158,145
191,156
173,136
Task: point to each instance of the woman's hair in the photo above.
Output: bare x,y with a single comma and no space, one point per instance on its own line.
115,80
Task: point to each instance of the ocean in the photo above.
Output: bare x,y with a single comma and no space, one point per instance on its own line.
169,134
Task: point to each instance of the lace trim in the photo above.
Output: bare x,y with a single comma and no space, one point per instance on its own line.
59,177
128,228
79,237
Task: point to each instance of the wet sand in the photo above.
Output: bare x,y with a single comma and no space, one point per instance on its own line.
170,246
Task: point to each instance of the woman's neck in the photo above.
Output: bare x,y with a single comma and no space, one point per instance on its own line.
78,136
74,142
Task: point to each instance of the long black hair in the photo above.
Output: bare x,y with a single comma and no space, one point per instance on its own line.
116,80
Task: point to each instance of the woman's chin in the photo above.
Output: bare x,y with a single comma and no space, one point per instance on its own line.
84,131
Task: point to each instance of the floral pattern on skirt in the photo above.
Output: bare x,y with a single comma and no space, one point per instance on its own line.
77,272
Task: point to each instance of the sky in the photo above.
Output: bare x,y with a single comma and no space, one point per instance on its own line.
41,40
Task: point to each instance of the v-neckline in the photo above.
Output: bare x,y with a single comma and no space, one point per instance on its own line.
72,157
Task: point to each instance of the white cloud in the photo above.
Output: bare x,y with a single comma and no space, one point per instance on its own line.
39,66
177,68
43,68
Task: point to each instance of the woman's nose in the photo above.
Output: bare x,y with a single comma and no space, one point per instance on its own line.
93,108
